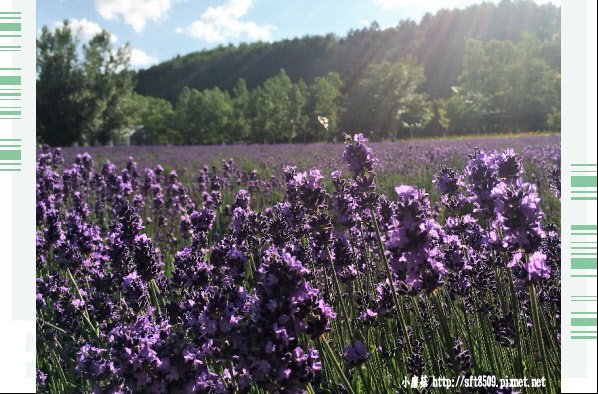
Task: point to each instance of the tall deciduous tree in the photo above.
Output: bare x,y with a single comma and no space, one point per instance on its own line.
297,118
204,117
273,110
80,100
155,117
463,113
241,119
522,89
107,85
60,82
325,101
387,101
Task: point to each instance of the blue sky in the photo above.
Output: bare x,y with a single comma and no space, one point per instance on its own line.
158,30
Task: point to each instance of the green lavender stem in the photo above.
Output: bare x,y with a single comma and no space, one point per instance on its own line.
515,307
446,333
390,277
336,364
85,314
340,297
538,335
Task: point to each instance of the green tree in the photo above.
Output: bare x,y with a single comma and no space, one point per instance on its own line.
204,117
463,115
297,118
387,100
241,119
437,40
217,111
553,122
272,105
59,87
80,100
325,101
155,117
516,79
107,85
184,115
443,119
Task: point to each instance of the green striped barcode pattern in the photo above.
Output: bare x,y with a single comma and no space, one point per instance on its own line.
584,250
10,93
584,322
584,182
10,155
10,28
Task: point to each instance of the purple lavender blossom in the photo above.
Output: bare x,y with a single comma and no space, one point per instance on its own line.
518,215
356,354
358,156
534,265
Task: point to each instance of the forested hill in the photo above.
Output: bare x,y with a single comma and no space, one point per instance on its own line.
437,42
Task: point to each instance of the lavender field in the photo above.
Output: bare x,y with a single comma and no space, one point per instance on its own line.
299,268
414,163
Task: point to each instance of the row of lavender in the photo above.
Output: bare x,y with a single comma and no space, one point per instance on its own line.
148,282
408,162
415,156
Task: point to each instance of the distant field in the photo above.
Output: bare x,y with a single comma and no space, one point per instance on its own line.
402,162
324,156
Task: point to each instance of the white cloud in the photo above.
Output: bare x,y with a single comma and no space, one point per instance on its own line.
554,2
85,29
222,23
429,4
434,5
135,13
140,58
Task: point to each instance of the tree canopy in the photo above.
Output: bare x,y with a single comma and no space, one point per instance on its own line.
441,76
437,41
81,91
506,86
387,100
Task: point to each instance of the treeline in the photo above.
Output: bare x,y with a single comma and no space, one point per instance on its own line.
437,42
425,79
277,111
504,86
